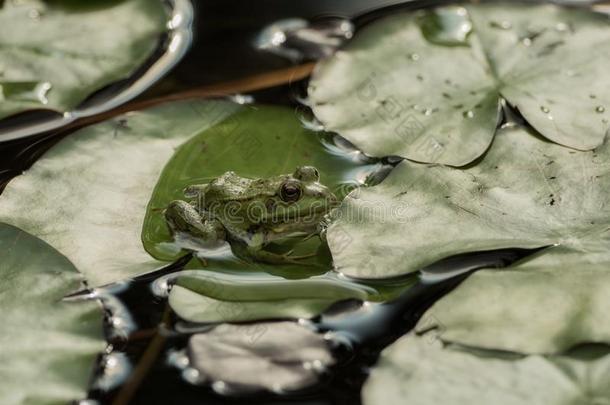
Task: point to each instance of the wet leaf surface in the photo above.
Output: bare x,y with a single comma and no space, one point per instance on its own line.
525,193
53,55
48,346
421,370
547,304
406,85
87,196
209,296
278,357
195,307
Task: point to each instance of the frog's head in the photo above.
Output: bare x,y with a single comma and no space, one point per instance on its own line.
300,201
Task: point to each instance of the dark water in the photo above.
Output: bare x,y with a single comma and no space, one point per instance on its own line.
223,50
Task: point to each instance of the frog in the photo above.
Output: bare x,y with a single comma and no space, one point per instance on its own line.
250,213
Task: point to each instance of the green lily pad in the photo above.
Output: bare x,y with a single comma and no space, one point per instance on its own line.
426,86
87,196
219,296
525,193
48,346
257,142
545,305
421,370
53,56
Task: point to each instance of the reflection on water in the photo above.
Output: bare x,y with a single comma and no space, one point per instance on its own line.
171,51
297,39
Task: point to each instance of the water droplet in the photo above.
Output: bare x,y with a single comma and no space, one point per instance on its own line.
502,25
446,26
545,109
526,41
600,109
428,111
468,114
414,57
34,14
561,27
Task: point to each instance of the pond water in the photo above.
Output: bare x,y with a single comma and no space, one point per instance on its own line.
235,40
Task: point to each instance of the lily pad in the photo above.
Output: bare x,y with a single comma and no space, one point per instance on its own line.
48,346
426,86
279,357
257,142
545,305
220,296
421,370
525,193
87,196
53,54
194,307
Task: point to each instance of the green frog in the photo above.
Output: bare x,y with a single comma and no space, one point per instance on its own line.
250,213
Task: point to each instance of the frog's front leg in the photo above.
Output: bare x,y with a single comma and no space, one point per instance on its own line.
181,216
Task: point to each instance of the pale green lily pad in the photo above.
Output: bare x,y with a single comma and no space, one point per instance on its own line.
525,193
209,296
419,370
545,305
87,196
399,89
195,307
48,346
53,54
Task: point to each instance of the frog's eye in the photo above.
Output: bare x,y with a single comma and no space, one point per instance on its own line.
290,192
307,173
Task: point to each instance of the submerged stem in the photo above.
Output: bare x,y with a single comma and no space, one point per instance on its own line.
147,360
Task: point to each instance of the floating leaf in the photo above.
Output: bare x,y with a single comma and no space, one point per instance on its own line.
279,357
54,54
220,296
545,305
256,143
525,193
48,346
420,370
195,307
87,196
403,87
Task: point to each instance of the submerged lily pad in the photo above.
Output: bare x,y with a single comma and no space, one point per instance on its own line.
420,370
52,55
525,193
48,346
279,357
425,87
545,305
87,196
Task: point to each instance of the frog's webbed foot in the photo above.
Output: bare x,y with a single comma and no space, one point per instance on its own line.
276,258
183,217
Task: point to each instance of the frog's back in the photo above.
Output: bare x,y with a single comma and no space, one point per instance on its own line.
233,188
